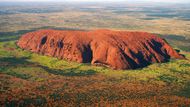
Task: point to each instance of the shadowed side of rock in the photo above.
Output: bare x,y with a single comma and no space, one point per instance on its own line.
116,49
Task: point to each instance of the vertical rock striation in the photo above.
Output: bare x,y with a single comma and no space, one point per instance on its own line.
116,49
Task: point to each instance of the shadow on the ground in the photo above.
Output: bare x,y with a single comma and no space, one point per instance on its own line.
7,62
180,41
70,72
14,61
11,36
185,92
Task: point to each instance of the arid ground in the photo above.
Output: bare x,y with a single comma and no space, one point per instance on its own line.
29,79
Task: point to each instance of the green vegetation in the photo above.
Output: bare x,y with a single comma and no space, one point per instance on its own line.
172,77
159,19
29,79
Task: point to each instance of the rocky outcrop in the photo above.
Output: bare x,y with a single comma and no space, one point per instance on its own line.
116,49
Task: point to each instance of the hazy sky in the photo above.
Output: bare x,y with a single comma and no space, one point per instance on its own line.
171,1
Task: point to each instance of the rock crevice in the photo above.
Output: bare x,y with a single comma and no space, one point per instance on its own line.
116,49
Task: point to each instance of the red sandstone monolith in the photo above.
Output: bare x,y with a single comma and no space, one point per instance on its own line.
116,49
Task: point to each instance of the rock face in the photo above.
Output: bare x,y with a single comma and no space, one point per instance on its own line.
116,49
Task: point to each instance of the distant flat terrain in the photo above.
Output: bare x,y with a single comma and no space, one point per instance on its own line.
29,79
169,20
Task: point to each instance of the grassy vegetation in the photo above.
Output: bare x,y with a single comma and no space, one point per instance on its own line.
159,19
29,79
41,80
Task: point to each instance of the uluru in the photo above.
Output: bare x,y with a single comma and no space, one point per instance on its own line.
114,49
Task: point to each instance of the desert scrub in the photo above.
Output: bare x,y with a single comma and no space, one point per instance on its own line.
174,68
64,82
13,73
